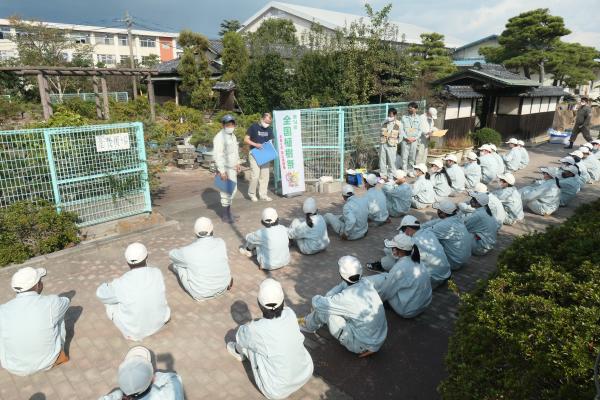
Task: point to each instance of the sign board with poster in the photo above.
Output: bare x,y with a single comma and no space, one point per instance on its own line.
288,136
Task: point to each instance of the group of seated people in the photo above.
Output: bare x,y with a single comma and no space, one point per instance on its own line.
419,258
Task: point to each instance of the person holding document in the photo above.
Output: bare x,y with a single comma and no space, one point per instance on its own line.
227,159
258,134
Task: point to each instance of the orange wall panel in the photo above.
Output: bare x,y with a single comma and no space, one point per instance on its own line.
166,49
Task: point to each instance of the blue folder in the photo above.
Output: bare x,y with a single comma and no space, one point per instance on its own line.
227,186
264,155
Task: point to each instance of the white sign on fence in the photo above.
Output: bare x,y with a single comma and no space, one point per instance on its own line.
115,141
291,158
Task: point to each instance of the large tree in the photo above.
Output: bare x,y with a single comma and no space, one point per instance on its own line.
273,36
432,58
528,42
264,84
572,64
193,68
229,25
234,57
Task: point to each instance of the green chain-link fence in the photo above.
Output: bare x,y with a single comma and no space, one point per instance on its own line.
122,97
99,172
337,138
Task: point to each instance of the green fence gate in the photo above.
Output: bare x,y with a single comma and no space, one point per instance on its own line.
337,138
98,172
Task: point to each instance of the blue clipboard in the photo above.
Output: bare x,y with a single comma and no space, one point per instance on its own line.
264,155
226,186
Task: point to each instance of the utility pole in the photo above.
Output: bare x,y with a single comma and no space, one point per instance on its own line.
129,21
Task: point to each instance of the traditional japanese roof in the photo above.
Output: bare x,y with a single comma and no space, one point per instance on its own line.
494,74
461,92
224,86
545,91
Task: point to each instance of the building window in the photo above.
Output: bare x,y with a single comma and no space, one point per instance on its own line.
124,60
105,39
4,32
80,37
108,59
123,40
147,42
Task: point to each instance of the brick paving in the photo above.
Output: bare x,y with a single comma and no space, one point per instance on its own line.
409,365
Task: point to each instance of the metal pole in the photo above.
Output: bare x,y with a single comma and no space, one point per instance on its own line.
342,139
129,22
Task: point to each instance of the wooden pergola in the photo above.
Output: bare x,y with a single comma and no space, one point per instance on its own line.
101,110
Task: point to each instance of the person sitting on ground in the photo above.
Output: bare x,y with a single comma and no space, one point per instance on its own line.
442,184
423,194
456,174
543,197
510,198
481,225
450,230
202,266
498,158
137,379
311,234
32,326
136,302
596,148
270,244
398,194
433,257
406,287
472,171
569,184
576,158
495,205
352,311
488,164
274,345
524,154
591,163
376,202
512,159
353,224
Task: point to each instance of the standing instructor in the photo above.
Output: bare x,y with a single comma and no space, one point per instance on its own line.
583,122
257,134
227,158
410,134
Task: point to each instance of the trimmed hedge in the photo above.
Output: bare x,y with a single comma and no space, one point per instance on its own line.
30,229
532,331
485,136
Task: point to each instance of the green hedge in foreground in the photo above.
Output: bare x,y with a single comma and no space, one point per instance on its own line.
533,330
30,229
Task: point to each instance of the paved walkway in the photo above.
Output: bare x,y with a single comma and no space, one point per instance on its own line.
409,365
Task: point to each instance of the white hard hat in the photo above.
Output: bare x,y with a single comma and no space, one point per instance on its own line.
577,153
433,112
590,146
136,253
421,167
437,162
371,179
508,178
493,147
270,294
26,278
203,227
482,198
552,171
269,215
471,156
399,174
349,266
136,371
480,187
445,206
584,150
400,241
568,160
520,143
347,189
512,141
451,157
309,206
486,147
572,169
596,141
409,220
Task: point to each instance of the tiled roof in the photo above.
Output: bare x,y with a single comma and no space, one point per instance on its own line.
224,86
545,91
495,74
461,92
216,45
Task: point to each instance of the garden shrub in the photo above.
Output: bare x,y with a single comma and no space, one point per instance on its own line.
86,109
487,135
29,229
62,118
532,332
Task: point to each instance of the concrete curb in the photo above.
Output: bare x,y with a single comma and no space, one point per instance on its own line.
90,245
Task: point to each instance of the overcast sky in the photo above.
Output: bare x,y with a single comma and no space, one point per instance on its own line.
468,20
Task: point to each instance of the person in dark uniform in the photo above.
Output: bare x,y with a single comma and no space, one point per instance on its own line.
256,136
583,122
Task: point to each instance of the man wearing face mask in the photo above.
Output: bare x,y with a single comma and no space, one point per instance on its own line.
257,134
583,122
227,159
410,134
390,136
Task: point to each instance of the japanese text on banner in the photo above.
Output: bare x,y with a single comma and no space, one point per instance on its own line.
291,159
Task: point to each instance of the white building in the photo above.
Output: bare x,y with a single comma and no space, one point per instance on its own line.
303,18
111,45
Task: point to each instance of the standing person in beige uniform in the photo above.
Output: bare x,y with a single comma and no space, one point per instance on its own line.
257,134
390,136
427,128
227,159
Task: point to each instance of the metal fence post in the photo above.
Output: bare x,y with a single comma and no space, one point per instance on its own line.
341,138
51,165
141,147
